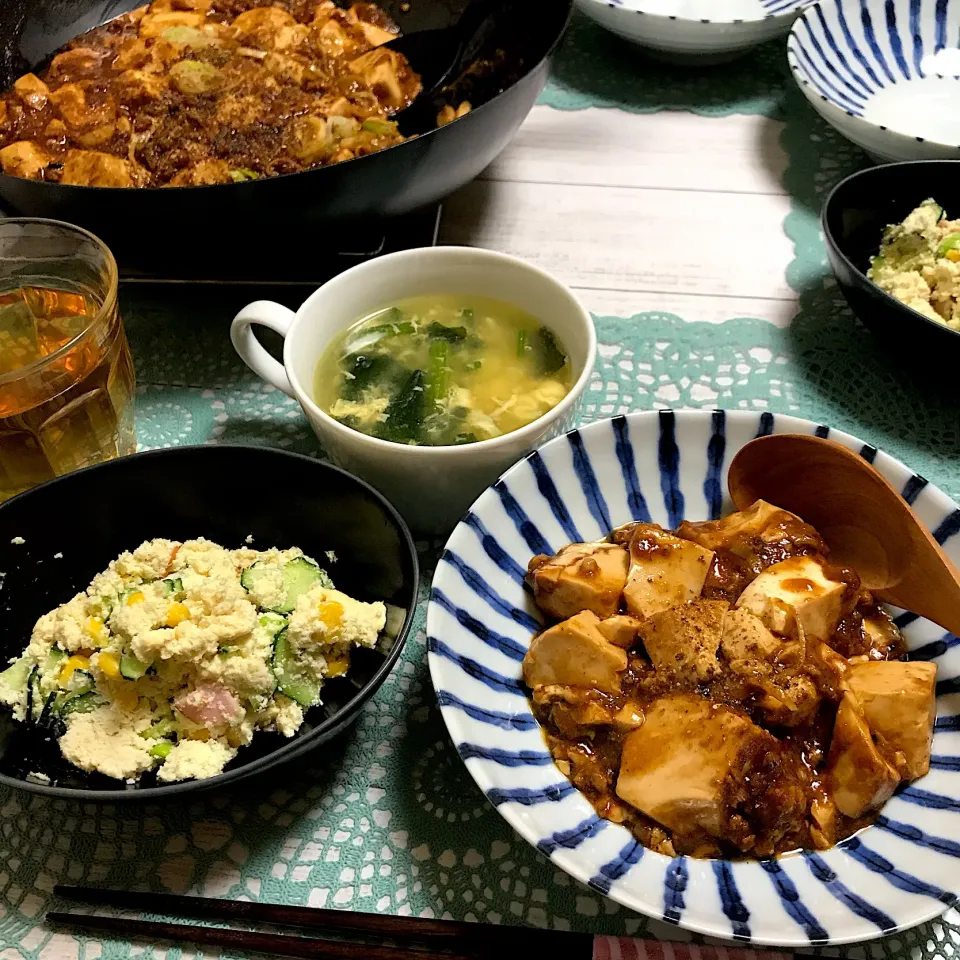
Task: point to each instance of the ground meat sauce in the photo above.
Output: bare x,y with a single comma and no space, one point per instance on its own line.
189,92
774,802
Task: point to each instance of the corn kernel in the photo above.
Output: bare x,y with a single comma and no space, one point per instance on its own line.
330,613
126,698
95,627
135,597
954,255
203,735
235,737
109,665
177,613
73,664
338,667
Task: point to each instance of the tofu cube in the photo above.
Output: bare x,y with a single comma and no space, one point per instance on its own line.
898,701
797,587
665,571
761,521
621,630
678,768
88,168
24,159
582,576
746,638
32,91
858,778
575,653
684,640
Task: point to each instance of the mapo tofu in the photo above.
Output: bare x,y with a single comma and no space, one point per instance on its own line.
724,689
197,92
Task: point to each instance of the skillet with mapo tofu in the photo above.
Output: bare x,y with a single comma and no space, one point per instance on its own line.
724,690
196,92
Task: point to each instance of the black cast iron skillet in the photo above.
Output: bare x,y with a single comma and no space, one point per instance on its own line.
223,493
240,219
854,217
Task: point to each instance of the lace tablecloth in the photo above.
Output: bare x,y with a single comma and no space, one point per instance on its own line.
387,818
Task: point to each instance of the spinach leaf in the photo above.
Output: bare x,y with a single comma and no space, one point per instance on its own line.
545,352
404,416
365,370
437,331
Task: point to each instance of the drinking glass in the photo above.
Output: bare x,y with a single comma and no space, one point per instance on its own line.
66,375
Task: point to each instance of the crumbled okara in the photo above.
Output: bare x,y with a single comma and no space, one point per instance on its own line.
860,779
898,701
683,641
582,576
665,571
797,588
575,653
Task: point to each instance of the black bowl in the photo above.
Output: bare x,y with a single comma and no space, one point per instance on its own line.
75,525
145,226
854,216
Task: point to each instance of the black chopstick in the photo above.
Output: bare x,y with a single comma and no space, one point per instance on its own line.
439,932
271,944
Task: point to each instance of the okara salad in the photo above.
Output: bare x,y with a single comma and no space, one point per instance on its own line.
919,263
179,652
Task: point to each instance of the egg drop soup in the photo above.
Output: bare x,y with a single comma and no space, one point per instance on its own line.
443,370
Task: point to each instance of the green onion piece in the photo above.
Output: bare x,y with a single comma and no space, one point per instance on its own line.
161,750
438,374
378,126
950,242
393,329
243,173
473,365
522,343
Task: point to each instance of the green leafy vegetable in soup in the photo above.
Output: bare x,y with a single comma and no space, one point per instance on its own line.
443,370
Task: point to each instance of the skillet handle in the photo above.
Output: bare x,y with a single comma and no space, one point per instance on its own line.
245,342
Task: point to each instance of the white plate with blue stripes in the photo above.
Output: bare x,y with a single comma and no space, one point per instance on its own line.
885,73
695,30
668,466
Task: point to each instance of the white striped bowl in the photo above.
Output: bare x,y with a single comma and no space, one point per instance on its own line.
885,73
668,466
696,31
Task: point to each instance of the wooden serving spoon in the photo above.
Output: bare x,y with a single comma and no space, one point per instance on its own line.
862,517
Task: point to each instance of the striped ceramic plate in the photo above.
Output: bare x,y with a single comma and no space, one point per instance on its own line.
668,466
885,73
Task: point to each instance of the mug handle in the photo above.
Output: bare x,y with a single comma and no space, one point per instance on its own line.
245,342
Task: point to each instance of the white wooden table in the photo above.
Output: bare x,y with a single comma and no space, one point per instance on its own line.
667,211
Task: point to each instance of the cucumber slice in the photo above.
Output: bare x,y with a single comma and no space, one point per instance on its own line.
948,243
82,703
273,622
299,575
34,696
172,586
15,677
299,689
161,750
160,729
53,662
131,667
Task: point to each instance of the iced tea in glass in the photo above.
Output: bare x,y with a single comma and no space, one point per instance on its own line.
66,375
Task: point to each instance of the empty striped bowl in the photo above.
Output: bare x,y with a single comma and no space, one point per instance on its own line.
885,73
696,31
668,466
